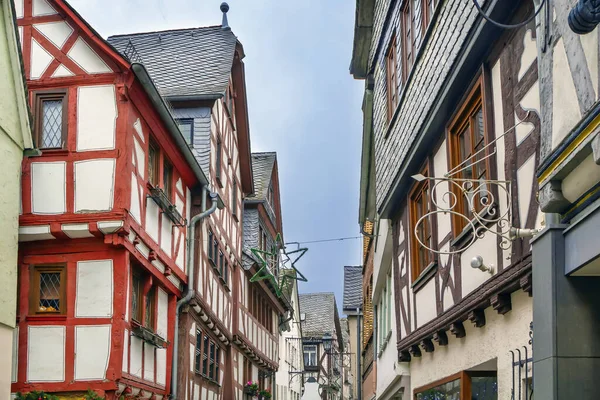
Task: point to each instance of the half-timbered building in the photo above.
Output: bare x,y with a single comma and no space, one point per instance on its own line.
200,74
260,303
451,144
566,265
322,346
102,255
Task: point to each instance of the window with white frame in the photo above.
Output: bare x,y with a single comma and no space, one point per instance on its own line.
384,313
310,355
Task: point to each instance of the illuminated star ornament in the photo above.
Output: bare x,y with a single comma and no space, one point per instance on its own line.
268,262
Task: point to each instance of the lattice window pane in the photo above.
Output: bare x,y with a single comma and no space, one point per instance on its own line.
49,291
52,117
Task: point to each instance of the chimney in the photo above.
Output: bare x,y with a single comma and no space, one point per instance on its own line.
224,9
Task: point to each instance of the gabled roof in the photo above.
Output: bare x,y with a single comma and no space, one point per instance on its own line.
320,314
192,62
262,168
352,288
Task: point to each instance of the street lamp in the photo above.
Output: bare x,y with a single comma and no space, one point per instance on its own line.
327,342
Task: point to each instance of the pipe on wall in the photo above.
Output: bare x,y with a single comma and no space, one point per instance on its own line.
584,16
358,375
190,292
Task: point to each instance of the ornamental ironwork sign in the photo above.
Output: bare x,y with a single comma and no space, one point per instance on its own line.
481,198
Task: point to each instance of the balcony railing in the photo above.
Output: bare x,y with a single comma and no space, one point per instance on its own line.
168,208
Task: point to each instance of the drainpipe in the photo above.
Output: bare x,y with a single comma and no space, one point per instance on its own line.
190,292
585,16
358,354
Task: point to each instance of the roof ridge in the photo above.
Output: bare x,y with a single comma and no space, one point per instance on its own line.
164,31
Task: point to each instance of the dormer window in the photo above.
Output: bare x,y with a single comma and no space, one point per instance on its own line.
186,127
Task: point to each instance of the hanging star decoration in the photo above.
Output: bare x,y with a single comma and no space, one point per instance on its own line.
291,273
268,262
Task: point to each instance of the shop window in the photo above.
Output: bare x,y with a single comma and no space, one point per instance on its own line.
50,111
479,385
47,290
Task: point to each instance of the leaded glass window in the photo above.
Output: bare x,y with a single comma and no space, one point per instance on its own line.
47,293
50,113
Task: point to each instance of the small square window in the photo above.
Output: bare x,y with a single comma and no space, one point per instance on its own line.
186,127
51,119
47,293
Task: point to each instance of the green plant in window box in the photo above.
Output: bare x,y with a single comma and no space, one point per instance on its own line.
251,388
264,395
35,396
91,395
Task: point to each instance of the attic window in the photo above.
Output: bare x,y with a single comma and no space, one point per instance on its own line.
186,127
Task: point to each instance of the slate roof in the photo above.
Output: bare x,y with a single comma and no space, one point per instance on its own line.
183,62
262,168
352,288
320,311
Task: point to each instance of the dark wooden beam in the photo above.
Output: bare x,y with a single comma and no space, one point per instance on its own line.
526,283
501,303
427,345
458,329
415,351
441,338
477,317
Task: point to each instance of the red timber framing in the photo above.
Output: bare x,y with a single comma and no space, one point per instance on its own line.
90,339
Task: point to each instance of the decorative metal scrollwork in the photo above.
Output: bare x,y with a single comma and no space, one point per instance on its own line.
479,196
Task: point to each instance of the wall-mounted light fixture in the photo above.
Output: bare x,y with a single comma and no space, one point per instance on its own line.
477,263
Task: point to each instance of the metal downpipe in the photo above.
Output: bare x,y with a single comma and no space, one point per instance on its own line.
358,375
190,292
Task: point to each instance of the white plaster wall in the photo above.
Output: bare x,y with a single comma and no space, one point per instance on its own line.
425,303
440,167
525,176
565,113
87,58
473,278
8,367
161,366
166,236
589,43
162,313
500,334
56,32
125,363
94,290
40,60
15,351
149,362
529,52
92,351
96,117
46,353
48,187
42,7
94,185
134,206
135,358
152,215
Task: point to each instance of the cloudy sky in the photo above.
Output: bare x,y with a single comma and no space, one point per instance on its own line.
303,104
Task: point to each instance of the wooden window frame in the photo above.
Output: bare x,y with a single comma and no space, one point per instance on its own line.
147,289
407,14
474,99
234,196
316,352
391,63
219,161
167,178
34,289
419,190
426,13
39,96
153,168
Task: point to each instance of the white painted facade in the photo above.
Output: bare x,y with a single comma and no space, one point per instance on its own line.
15,137
289,386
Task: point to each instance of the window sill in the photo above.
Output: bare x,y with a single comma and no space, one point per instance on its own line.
53,152
206,378
49,318
425,276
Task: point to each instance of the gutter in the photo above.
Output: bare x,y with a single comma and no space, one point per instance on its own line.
584,16
157,101
190,292
199,97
